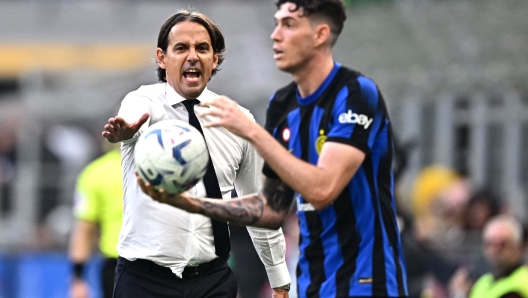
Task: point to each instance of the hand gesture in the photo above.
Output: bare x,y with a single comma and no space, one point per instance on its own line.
182,201
229,116
156,195
117,129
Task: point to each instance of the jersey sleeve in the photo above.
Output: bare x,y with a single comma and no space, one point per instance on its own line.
356,115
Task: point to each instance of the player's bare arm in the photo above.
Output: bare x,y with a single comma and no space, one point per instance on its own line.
118,129
319,184
267,209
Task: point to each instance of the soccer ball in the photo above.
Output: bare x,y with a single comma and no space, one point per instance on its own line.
172,155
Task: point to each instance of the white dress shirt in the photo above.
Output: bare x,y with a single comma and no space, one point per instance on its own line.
172,237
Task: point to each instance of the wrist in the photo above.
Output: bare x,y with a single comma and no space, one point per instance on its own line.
285,287
78,270
253,133
189,203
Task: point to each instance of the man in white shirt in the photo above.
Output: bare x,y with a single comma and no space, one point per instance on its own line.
164,251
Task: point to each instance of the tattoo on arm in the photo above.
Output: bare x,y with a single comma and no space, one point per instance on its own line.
244,211
250,209
278,194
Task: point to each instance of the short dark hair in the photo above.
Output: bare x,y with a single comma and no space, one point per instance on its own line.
331,11
217,38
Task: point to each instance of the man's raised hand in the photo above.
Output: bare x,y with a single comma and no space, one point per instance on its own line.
229,115
117,129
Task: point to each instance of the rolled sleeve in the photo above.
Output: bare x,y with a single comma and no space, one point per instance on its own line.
271,248
269,244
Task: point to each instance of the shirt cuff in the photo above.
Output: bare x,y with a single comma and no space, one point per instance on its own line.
132,139
278,275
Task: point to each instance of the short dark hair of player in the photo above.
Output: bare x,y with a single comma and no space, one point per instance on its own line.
217,38
332,12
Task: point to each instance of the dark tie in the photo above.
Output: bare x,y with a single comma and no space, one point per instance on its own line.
220,229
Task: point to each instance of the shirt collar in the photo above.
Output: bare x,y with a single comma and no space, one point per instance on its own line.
173,97
314,96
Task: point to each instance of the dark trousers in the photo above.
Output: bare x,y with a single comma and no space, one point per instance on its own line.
144,279
107,276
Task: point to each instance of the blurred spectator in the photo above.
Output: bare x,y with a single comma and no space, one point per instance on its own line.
63,150
428,270
482,206
503,249
433,232
98,204
429,183
440,196
444,239
7,162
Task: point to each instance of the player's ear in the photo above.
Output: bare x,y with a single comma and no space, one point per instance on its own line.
322,34
160,58
215,61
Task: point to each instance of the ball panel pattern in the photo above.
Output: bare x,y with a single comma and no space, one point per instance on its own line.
172,155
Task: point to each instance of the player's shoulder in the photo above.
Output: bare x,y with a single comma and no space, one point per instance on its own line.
348,75
149,91
359,83
284,93
351,76
348,72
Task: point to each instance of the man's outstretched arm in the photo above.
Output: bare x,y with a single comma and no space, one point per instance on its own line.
266,209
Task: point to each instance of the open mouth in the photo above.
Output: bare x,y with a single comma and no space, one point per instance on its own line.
192,75
277,53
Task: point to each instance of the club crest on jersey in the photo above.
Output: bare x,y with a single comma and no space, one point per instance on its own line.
286,134
319,142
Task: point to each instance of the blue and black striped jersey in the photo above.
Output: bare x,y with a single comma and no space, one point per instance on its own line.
352,248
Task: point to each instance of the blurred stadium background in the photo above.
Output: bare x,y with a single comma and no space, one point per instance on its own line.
454,75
